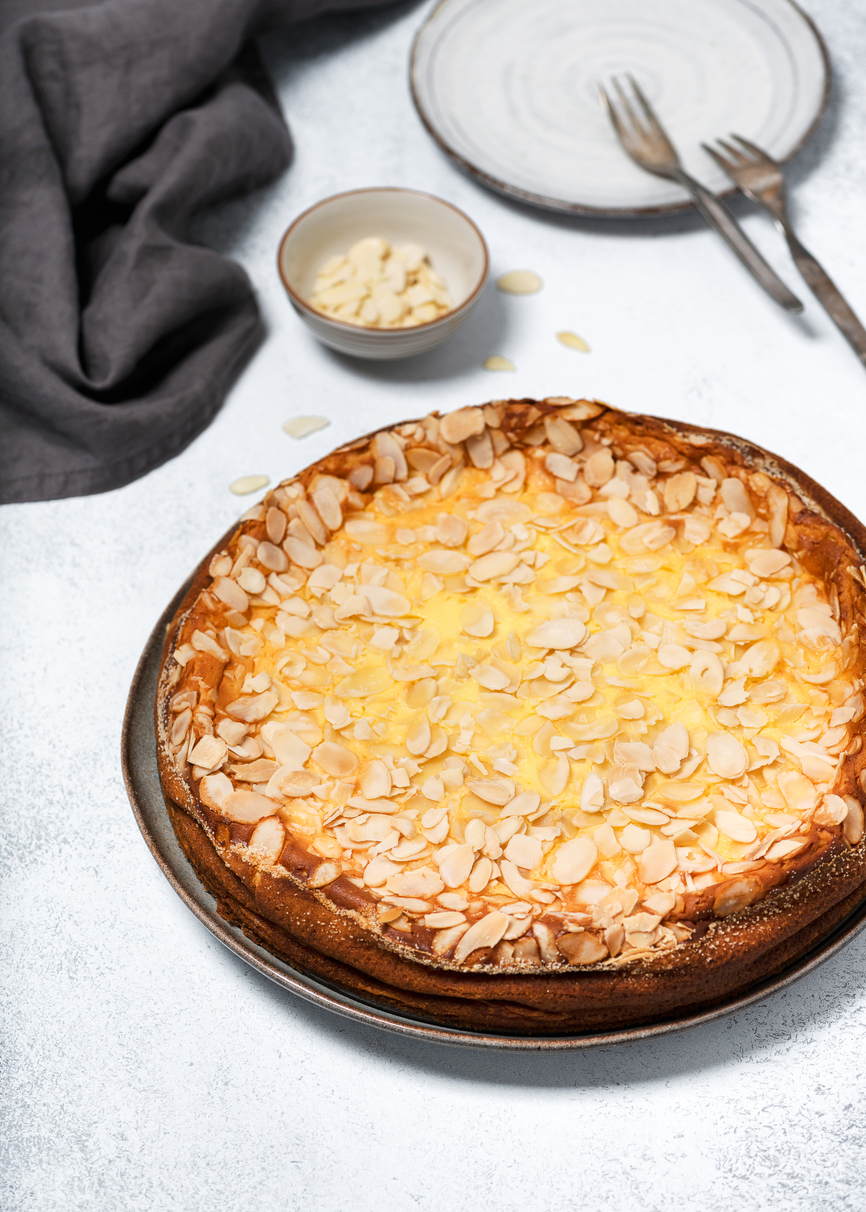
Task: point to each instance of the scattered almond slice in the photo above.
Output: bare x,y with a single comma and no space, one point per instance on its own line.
247,484
497,362
519,282
572,340
302,427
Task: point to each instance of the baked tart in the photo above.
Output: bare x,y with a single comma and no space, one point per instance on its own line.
536,717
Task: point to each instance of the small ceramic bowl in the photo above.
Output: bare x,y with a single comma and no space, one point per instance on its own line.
453,243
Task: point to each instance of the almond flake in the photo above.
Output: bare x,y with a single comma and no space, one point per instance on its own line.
247,484
302,427
572,340
574,860
726,755
519,282
557,634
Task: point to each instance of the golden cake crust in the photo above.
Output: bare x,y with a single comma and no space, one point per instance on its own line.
712,942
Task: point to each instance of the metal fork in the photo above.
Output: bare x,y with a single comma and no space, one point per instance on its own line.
760,178
645,140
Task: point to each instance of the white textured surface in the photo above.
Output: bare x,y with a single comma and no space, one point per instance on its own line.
147,1068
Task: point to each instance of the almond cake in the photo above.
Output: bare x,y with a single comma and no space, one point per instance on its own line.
537,717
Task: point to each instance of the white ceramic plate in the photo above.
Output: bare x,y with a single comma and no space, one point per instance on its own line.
509,89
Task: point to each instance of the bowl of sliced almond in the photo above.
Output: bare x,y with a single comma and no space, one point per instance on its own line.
383,273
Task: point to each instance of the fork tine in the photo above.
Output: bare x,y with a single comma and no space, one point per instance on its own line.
719,159
618,126
629,108
757,152
734,152
649,112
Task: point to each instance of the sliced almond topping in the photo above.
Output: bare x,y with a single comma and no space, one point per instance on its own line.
209,753
574,860
302,553
443,563
267,840
621,513
386,602
328,508
706,673
444,918
679,491
674,656
376,780
366,531
444,940
560,466
455,864
777,506
599,468
253,707
557,633
419,736
477,619
657,862
479,448
496,564
735,826
230,592
456,427
484,933
335,759
451,530
275,524
562,435
524,851
766,563
524,804
481,875
492,791
422,882
853,824
736,498
486,539
726,755
247,807
490,677
251,580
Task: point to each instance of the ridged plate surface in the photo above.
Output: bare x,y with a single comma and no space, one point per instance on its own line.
509,89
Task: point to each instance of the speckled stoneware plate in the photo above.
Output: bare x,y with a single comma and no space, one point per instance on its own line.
509,90
141,776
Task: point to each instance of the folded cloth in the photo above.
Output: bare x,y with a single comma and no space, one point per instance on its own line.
118,121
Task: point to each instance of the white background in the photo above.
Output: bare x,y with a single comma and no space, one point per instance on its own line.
147,1067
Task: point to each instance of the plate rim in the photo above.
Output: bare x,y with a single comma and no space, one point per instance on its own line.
138,713
557,206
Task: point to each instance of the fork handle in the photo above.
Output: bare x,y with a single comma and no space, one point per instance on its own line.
828,295
720,218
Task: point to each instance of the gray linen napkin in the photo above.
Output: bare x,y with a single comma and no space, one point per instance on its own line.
118,121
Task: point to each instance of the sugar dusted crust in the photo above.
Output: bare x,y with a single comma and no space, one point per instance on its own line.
539,703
